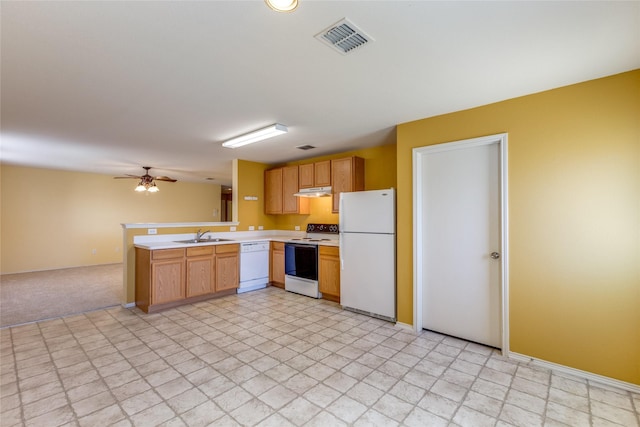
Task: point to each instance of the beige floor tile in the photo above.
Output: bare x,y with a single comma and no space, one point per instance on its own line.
299,411
274,358
613,413
57,417
252,412
347,409
44,405
187,400
203,415
153,416
393,407
420,418
277,397
140,402
470,417
259,384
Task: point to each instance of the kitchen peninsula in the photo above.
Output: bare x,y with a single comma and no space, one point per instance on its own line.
174,269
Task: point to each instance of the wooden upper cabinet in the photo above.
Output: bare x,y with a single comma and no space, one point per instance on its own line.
280,185
346,175
306,175
273,191
290,203
316,174
322,174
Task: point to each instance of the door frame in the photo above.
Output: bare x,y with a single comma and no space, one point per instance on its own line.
419,245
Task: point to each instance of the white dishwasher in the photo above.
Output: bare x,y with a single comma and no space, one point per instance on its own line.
254,266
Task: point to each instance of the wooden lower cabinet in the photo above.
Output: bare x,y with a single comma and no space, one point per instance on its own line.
167,278
276,270
170,277
227,267
329,272
201,264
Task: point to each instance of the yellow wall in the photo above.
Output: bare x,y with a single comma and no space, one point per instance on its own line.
574,213
54,219
251,183
379,171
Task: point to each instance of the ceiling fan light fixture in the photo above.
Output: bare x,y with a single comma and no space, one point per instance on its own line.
140,188
282,5
256,135
153,188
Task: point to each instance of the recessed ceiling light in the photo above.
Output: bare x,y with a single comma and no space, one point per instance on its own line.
282,5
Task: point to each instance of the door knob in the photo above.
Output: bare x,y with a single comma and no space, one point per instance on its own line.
495,255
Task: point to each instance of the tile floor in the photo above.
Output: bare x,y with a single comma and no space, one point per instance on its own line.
272,358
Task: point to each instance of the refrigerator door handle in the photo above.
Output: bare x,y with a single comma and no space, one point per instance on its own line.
341,253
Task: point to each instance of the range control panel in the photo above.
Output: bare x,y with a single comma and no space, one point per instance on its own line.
323,228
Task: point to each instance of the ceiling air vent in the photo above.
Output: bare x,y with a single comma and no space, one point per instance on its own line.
305,147
344,37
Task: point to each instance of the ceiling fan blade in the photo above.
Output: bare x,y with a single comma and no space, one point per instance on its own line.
164,178
128,177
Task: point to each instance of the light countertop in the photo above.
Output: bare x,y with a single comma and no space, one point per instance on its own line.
171,241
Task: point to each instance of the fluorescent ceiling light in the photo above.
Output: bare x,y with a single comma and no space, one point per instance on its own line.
282,5
255,136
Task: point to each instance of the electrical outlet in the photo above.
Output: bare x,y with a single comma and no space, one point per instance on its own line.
251,228
260,227
94,251
232,228
117,248
297,228
152,231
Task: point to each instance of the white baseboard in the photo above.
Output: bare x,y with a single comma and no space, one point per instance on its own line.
128,304
634,388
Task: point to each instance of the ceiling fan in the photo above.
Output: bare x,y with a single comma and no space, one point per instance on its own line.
147,182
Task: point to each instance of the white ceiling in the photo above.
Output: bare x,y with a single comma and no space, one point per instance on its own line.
112,86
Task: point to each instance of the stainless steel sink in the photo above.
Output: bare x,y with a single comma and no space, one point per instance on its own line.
204,240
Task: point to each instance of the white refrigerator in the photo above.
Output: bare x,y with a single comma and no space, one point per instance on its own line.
368,252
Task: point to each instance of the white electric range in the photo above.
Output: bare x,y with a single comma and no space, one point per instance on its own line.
301,259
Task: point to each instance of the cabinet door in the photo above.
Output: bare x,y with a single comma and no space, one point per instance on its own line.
306,177
200,277
329,271
227,267
273,191
322,174
167,281
277,263
289,187
346,175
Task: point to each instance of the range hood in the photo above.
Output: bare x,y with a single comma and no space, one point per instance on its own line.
314,192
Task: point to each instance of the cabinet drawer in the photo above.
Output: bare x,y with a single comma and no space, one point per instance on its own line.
277,246
200,251
329,250
159,254
221,249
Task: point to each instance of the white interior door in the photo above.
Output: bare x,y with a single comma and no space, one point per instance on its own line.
461,241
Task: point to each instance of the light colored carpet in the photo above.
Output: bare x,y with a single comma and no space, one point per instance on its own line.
27,297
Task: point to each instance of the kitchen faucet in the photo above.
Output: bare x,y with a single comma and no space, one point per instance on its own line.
199,234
